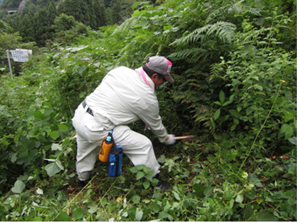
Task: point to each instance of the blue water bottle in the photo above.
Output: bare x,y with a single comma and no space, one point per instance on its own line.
120,153
115,161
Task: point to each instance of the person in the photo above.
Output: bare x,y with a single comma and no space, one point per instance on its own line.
124,96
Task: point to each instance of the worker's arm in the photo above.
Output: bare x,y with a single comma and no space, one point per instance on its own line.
151,117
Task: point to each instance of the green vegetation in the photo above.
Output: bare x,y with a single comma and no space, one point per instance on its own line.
235,87
14,4
34,19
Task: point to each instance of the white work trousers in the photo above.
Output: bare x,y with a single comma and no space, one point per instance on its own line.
136,146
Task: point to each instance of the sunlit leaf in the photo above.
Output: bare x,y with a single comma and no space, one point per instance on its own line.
39,191
59,164
93,209
75,49
167,27
175,194
56,146
239,198
138,215
19,186
136,199
52,169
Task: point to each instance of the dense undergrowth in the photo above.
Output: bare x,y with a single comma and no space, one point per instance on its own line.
235,87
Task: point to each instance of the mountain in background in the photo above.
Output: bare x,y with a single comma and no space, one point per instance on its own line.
13,6
42,21
20,4
10,4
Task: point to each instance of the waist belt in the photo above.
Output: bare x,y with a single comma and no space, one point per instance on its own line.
89,110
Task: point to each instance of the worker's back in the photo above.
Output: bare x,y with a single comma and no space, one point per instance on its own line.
123,97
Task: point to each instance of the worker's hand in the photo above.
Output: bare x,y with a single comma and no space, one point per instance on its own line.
170,139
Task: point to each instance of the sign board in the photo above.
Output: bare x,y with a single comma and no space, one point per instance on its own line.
18,55
21,55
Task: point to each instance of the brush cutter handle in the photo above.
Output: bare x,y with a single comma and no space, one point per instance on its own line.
183,137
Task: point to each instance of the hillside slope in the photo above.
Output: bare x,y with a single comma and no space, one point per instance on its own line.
234,71
10,4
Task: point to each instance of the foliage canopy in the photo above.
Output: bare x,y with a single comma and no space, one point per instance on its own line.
235,87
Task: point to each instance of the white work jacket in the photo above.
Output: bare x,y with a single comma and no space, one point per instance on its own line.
124,97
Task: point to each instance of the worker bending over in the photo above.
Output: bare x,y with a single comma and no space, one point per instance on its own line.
124,96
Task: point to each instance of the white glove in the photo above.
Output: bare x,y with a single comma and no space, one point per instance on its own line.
170,139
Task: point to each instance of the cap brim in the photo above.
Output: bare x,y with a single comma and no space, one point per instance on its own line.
168,78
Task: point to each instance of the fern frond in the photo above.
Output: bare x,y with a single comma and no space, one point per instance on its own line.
203,116
222,30
128,25
194,54
216,71
232,7
186,53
